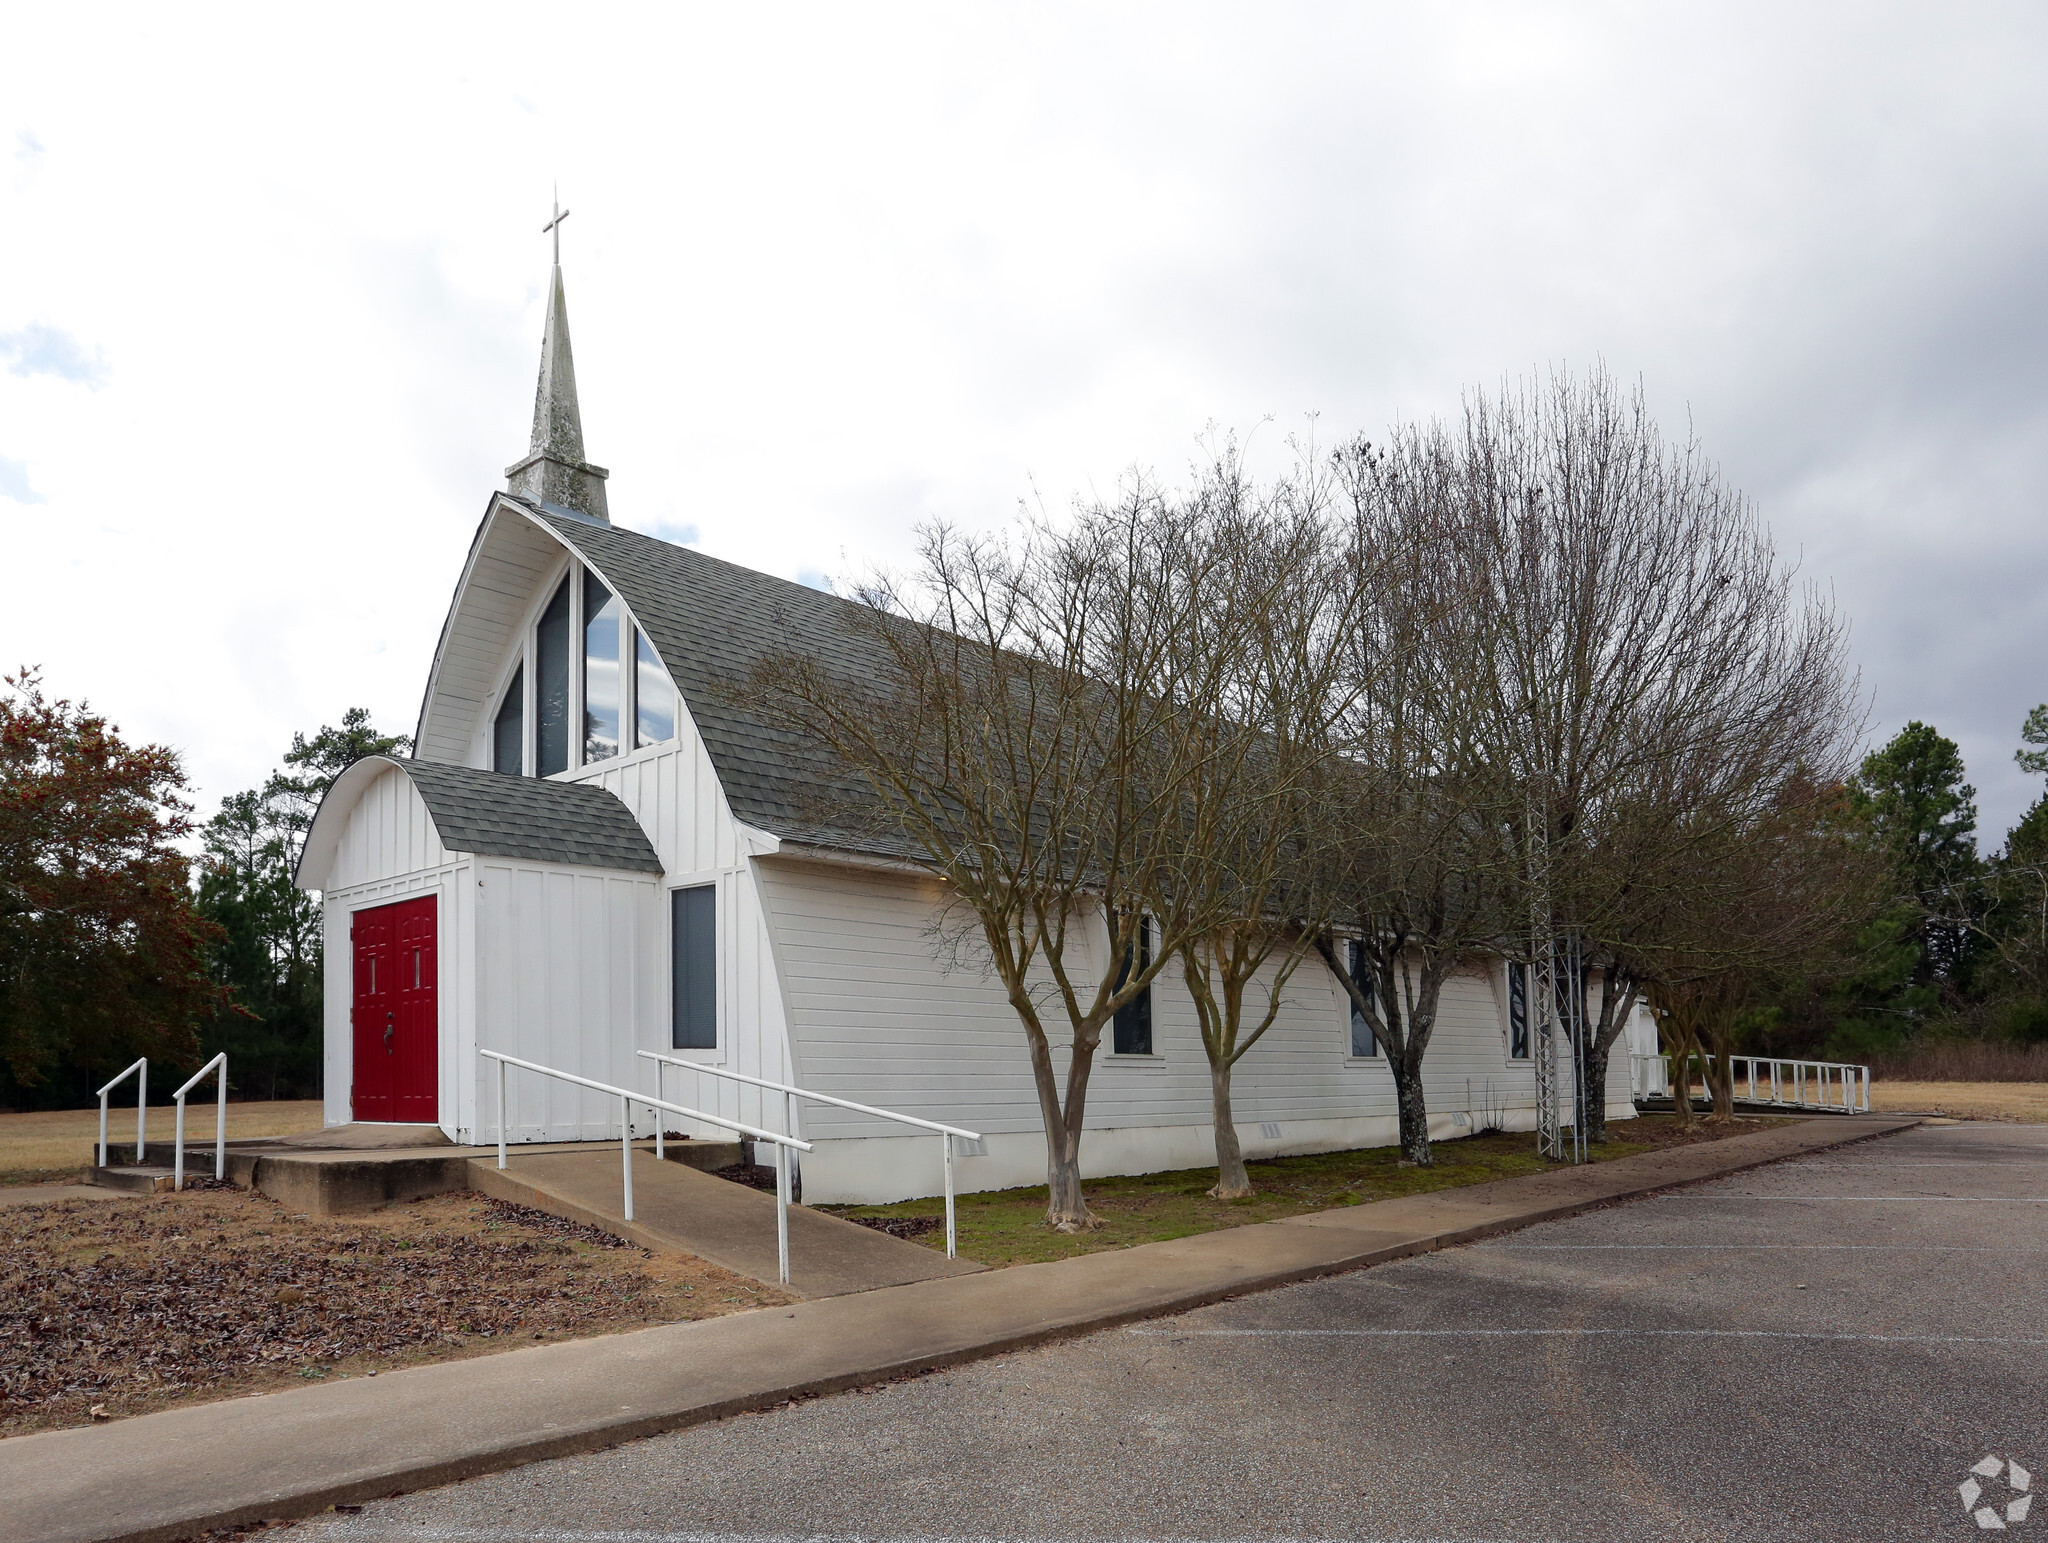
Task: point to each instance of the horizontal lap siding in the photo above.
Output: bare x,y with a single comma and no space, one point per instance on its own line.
875,1016
872,1015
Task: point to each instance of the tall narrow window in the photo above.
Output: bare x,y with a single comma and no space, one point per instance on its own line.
653,697
1518,1011
601,681
1363,1040
551,683
1132,1033
693,958
508,732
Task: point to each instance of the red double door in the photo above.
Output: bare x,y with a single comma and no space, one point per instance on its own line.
397,1075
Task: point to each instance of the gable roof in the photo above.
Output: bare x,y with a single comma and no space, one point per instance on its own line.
491,814
712,623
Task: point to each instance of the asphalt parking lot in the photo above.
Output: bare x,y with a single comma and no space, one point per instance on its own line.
1819,1350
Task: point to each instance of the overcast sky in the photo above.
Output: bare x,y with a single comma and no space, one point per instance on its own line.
271,285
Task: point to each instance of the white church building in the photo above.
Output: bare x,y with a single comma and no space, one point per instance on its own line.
598,848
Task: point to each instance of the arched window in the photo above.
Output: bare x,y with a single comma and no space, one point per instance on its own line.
590,663
551,682
601,684
654,698
508,731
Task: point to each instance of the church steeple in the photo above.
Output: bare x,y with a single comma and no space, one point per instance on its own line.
554,471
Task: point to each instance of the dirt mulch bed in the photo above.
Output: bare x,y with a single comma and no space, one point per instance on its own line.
753,1175
110,1309
902,1226
1656,1132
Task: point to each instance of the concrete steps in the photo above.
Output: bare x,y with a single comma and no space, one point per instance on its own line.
141,1179
677,1209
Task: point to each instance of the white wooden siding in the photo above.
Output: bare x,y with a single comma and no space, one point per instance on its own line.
674,792
388,833
568,962
874,1015
511,557
389,851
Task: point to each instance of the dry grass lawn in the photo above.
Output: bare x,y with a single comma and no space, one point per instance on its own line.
111,1308
2015,1102
1007,1226
58,1143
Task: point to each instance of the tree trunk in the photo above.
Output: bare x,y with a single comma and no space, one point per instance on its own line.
1596,1094
1232,1182
1614,1016
1681,1079
1066,1208
1721,1084
1414,1110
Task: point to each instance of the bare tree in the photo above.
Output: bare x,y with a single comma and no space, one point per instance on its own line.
1650,665
1779,889
1011,721
1412,857
1260,600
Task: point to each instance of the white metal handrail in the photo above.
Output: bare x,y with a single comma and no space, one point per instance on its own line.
1812,1084
220,1122
141,1107
1649,1076
946,1133
627,1098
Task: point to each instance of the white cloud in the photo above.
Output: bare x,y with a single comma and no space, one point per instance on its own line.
14,483
43,350
831,272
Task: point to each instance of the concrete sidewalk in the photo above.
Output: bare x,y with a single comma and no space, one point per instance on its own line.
166,1476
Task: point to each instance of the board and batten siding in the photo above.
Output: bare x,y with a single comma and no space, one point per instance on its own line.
674,793
875,1015
569,963
389,851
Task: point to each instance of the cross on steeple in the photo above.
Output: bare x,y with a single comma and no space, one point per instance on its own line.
554,471
555,225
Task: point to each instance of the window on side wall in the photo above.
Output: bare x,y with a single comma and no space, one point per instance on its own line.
1363,1040
1131,1032
693,961
1518,1011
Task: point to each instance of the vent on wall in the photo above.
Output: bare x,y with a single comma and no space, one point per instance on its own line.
978,1147
1269,1130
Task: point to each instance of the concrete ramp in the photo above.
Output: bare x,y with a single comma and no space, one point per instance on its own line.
679,1210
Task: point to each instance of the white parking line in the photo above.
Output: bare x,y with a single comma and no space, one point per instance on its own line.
362,1528
1587,1333
1917,1199
1888,1248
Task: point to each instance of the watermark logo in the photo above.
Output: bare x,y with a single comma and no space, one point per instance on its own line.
2009,1502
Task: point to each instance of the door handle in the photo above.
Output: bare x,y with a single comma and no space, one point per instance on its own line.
389,1020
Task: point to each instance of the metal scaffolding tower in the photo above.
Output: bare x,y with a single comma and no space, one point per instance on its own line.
1558,985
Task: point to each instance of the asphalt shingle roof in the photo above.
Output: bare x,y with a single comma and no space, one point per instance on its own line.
713,622
496,815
